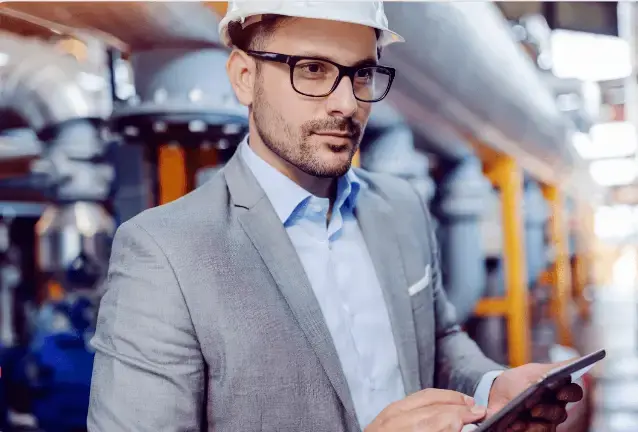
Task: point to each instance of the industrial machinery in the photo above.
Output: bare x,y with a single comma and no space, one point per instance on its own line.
127,108
94,138
62,104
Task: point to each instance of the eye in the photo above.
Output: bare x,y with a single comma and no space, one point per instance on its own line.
313,68
365,73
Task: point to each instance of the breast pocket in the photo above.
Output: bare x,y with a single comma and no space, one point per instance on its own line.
420,291
422,299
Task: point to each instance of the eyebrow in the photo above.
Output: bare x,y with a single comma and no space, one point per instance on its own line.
369,61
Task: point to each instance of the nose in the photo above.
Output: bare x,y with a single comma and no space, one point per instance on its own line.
342,103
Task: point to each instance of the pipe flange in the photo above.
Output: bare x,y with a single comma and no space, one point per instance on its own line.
180,126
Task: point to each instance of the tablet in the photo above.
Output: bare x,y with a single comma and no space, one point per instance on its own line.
530,397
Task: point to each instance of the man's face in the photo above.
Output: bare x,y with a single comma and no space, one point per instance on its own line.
319,136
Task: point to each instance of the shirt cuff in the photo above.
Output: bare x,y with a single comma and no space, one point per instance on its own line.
482,394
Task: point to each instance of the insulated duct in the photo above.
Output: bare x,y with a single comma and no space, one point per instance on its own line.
46,88
127,25
64,102
461,60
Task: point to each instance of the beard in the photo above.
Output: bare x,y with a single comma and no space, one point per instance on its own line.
295,146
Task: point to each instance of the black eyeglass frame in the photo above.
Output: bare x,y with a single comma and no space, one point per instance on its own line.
349,71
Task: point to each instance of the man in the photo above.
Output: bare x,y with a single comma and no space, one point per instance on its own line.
291,292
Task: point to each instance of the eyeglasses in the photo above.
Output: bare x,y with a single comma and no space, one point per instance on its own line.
317,77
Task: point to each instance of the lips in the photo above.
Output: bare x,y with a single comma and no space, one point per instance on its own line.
335,134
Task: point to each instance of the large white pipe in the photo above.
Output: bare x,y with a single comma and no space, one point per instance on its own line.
46,87
131,25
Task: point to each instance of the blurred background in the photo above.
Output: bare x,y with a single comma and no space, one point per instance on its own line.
515,120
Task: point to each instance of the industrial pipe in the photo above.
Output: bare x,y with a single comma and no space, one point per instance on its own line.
461,60
17,152
184,108
47,88
536,216
64,102
388,146
459,207
131,26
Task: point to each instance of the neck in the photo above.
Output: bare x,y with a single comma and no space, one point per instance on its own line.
318,186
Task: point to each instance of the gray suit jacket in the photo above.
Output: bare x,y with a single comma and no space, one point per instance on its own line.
209,322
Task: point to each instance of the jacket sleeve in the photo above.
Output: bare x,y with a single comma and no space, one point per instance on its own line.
148,373
460,363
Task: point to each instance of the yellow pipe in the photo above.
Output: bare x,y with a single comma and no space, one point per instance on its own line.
219,7
561,270
488,307
508,177
518,325
356,160
172,173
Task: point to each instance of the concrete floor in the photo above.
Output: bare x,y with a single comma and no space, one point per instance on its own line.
614,327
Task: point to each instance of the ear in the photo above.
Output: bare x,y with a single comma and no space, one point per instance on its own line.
241,71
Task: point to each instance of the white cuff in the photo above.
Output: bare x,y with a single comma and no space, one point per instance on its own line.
482,394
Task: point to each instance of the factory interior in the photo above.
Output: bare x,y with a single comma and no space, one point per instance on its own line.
515,120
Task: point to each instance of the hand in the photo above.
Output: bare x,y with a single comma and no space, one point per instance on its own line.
429,410
543,416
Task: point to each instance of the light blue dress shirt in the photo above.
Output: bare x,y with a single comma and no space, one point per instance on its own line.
340,270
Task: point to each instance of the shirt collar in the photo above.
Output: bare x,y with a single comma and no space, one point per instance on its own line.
285,195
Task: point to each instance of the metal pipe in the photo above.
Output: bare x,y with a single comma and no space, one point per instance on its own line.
47,88
389,146
460,55
132,25
536,215
17,152
460,207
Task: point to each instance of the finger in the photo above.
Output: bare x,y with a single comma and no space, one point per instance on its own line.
554,413
555,386
429,397
570,393
465,415
444,415
442,423
451,419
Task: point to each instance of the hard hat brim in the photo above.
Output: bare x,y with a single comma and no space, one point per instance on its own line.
387,37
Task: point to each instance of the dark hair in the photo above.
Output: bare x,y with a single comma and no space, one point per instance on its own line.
256,36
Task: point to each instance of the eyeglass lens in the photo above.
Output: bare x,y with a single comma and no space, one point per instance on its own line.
316,78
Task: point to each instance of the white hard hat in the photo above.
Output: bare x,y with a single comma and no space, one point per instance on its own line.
365,12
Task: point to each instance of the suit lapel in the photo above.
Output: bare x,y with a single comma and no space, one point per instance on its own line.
377,224
265,230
